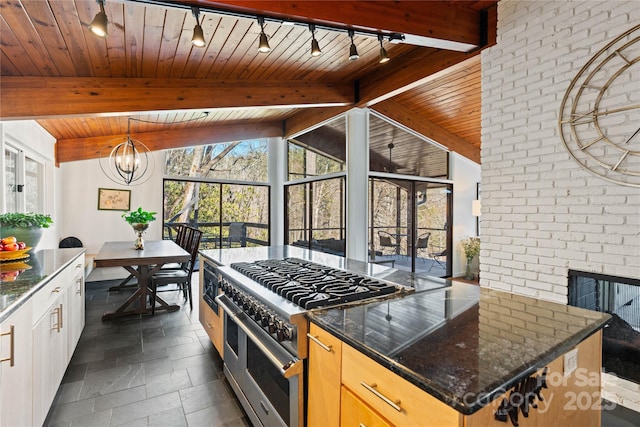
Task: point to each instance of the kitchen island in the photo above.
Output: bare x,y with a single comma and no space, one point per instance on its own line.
445,353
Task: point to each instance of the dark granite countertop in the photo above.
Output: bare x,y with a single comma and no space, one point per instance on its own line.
464,345
34,273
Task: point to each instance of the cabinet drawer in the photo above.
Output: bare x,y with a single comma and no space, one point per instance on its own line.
393,397
45,296
354,412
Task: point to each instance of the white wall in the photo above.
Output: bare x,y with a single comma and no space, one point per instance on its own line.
465,175
79,197
542,213
30,137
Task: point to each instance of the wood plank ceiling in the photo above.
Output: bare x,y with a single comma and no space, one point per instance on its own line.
83,89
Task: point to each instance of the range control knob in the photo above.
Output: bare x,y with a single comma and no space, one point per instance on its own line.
264,321
284,333
273,326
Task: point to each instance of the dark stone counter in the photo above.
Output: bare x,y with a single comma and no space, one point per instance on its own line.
464,345
33,274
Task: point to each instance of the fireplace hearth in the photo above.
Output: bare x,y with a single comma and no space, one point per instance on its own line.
620,297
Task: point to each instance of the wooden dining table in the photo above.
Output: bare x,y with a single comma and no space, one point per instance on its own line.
142,264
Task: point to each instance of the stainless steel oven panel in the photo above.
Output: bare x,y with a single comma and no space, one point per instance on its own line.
239,373
288,364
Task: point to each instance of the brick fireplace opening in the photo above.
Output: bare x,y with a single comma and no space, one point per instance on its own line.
620,297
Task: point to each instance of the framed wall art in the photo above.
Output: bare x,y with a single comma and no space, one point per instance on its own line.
114,200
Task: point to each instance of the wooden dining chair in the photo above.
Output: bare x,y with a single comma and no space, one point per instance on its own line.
180,276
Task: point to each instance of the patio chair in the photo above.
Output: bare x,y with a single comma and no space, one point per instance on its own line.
422,244
237,234
388,241
437,253
181,276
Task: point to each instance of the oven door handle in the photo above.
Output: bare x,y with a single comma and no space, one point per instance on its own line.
288,368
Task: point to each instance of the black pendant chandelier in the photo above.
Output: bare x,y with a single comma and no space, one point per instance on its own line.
130,161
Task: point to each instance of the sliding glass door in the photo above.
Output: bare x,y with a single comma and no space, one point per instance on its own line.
409,224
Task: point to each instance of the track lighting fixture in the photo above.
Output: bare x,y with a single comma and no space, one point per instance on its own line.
353,51
315,47
99,24
383,52
263,46
198,35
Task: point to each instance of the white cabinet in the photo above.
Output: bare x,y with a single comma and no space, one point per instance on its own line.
75,304
49,357
38,340
15,368
58,320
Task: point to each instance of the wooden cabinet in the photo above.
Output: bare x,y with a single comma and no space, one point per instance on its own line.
393,397
372,395
15,368
325,361
355,413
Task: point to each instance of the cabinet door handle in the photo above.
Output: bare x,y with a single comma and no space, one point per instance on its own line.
79,281
60,314
372,388
320,343
56,289
56,326
12,335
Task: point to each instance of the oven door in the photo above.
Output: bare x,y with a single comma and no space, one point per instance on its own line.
267,379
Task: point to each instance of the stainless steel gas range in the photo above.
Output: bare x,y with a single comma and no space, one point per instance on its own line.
264,305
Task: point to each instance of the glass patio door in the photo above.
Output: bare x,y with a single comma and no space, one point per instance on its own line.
409,224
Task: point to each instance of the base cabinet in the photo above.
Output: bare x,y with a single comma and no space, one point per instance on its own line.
325,365
40,337
49,357
364,393
15,369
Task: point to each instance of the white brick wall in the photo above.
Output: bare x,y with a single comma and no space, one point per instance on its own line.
542,213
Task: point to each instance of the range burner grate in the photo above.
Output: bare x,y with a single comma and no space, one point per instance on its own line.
312,285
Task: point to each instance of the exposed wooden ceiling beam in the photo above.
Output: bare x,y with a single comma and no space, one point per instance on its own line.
421,125
439,24
44,97
68,150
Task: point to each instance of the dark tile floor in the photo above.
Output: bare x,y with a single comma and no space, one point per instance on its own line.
157,370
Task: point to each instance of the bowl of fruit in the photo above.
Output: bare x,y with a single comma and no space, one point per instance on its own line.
12,250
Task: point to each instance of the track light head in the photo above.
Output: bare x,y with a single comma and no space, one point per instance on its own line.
99,24
384,57
353,50
263,45
198,35
315,47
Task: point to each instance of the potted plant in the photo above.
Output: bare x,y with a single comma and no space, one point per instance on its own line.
139,220
25,227
471,248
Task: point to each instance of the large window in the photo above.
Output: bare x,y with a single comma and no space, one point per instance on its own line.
24,182
315,194
220,189
316,215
